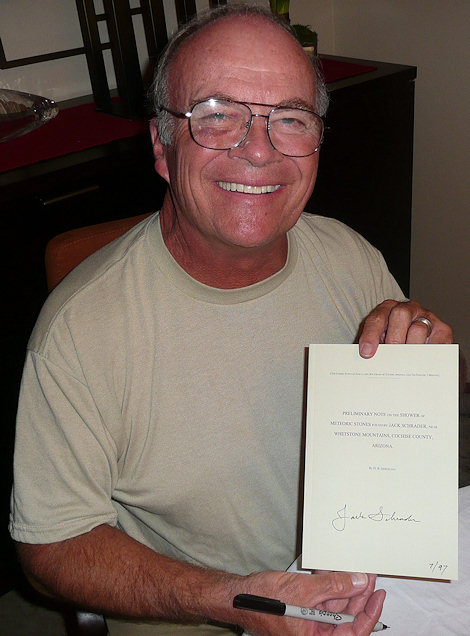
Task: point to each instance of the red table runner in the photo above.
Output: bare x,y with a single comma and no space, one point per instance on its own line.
334,70
84,127
73,129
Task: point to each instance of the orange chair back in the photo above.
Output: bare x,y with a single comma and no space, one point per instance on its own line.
65,251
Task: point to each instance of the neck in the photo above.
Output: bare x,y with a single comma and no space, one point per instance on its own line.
220,265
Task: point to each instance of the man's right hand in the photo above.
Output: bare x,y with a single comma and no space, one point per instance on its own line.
334,591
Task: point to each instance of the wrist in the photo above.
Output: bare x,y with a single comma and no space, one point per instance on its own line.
202,594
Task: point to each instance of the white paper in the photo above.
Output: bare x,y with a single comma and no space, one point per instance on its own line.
381,461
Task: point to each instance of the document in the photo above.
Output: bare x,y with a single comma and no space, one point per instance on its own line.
381,461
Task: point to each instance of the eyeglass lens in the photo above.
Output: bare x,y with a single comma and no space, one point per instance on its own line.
220,124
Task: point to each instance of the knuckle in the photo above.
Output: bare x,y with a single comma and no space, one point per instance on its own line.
419,327
384,307
402,311
445,334
414,305
340,584
374,318
441,330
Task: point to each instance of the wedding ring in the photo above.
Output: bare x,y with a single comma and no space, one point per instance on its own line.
426,322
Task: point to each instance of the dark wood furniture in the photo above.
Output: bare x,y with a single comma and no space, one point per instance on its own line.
364,179
366,162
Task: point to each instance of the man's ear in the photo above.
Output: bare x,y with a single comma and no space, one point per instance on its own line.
159,151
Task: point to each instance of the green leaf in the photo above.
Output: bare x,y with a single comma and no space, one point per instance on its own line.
305,35
281,7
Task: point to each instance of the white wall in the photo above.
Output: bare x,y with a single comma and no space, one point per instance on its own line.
319,15
28,28
434,36
32,27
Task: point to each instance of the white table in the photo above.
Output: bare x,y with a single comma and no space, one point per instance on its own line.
430,608
433,608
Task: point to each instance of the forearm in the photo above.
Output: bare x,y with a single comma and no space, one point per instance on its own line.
107,571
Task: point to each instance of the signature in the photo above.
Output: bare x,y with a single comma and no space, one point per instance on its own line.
339,522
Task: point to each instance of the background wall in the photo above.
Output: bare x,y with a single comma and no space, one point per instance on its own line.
29,27
432,35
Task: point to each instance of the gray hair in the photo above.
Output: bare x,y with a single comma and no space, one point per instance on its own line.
160,93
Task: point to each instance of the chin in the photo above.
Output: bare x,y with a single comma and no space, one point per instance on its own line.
250,227
255,239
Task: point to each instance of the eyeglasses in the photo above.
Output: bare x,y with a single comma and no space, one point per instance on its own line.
221,124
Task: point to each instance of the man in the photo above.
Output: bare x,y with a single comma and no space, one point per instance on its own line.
159,428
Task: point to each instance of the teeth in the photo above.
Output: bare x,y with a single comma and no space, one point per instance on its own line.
247,189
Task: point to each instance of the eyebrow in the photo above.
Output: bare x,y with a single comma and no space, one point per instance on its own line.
297,102
293,102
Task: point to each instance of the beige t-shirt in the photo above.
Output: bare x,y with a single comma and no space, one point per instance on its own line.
174,410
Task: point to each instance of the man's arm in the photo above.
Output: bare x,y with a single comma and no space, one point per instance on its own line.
393,322
107,571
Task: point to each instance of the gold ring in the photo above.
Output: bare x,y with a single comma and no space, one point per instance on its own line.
426,322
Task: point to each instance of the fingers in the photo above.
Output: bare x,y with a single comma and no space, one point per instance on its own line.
366,606
374,329
366,620
394,322
356,604
419,331
406,325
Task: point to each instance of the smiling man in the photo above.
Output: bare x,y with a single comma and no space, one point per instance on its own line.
229,206
158,451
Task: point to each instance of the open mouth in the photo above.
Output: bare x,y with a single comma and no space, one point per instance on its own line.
247,189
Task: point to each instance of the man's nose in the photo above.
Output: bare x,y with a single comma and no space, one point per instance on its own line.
257,147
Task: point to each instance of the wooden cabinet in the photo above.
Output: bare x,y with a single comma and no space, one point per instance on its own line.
366,162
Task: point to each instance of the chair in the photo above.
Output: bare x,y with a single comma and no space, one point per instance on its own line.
64,252
81,623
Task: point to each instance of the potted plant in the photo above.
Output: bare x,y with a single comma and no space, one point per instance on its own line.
307,38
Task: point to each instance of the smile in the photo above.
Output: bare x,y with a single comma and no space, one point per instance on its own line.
247,189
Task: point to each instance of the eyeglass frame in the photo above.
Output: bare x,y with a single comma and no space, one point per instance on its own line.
187,115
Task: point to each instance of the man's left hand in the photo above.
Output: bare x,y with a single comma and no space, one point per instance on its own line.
394,322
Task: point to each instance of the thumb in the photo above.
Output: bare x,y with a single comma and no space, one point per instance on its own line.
336,585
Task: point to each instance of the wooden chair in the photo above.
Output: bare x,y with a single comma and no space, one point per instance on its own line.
80,623
64,252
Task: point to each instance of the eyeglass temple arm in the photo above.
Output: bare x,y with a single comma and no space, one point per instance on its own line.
174,112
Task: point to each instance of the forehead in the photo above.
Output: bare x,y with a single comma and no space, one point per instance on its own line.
245,58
